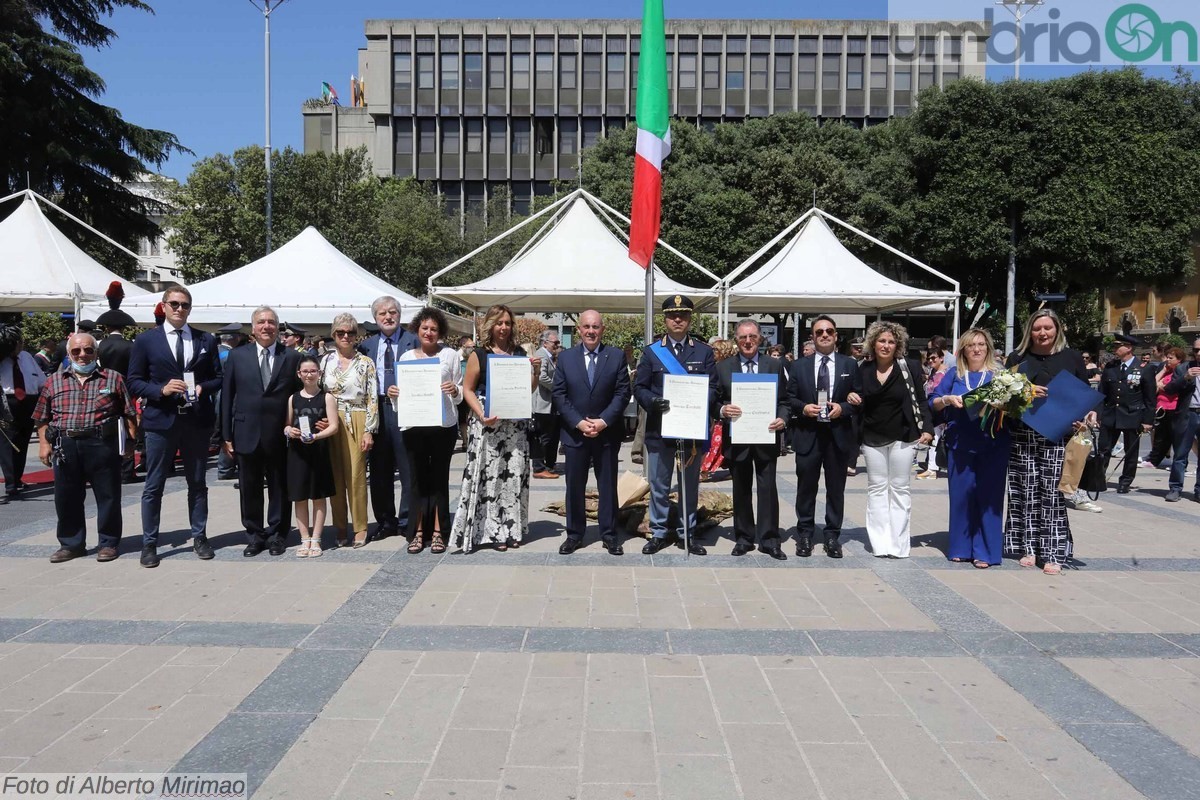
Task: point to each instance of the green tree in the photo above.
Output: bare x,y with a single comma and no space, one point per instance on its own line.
54,132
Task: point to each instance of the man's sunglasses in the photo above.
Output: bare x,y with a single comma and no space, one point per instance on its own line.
83,351
179,304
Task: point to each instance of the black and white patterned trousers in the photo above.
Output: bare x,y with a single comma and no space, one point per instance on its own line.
1037,512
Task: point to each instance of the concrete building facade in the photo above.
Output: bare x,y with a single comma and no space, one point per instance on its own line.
473,105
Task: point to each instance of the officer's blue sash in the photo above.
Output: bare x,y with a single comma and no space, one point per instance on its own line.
667,358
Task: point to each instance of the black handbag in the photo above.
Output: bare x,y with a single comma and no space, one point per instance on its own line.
1092,480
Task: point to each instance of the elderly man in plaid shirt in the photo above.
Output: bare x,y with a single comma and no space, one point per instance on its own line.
78,417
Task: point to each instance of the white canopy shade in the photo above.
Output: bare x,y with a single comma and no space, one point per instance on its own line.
307,281
814,272
43,270
574,263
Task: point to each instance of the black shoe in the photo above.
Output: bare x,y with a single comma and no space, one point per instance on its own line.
227,476
1122,489
277,548
774,552
741,548
656,544
4,499
833,550
150,557
614,548
253,549
804,547
568,547
696,549
203,549
385,531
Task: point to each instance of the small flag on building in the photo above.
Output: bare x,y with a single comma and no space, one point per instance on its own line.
329,94
653,136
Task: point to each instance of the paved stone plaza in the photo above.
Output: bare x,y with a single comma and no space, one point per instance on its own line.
375,674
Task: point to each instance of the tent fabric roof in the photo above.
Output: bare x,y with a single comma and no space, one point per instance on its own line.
815,272
307,281
576,265
40,267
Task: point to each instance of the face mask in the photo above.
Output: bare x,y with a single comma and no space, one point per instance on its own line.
85,369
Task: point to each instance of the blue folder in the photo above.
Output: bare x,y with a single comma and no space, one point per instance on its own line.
1067,401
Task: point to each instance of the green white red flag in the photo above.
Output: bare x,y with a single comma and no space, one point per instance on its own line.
653,135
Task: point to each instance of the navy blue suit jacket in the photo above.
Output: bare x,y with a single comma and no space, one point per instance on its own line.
152,364
802,390
697,358
370,346
605,399
250,415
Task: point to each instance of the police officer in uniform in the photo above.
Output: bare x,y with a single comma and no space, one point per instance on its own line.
1129,401
78,417
293,337
675,353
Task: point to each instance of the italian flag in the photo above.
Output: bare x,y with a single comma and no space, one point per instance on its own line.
653,136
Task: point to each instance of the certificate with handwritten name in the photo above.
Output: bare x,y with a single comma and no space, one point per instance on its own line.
687,418
509,390
757,397
419,404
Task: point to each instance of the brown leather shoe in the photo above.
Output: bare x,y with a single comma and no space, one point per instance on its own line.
64,554
547,474
106,554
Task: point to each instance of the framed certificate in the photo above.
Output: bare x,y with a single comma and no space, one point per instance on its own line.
419,404
688,415
758,398
509,393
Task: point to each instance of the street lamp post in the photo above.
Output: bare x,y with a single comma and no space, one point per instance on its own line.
1019,9
266,7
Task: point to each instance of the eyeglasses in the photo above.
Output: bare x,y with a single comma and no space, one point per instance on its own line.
747,337
179,304
343,334
825,332
83,351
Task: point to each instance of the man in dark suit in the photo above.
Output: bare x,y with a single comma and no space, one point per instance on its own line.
591,391
823,436
176,371
676,353
388,455
750,462
113,351
259,380
1129,404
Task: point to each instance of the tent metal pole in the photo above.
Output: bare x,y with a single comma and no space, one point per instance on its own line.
661,243
956,321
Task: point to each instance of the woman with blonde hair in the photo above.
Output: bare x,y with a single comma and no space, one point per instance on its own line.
349,376
493,505
1037,528
895,420
977,461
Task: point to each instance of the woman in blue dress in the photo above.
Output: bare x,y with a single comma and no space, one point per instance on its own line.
978,462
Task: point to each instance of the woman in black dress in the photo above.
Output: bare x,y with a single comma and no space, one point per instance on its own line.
309,469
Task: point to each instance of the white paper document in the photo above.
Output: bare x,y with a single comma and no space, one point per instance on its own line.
757,397
419,404
509,390
688,416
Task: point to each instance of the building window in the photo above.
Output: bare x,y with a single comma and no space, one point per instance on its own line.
783,71
854,72
402,70
473,44
591,71
758,71
497,44
591,132
735,71
567,136
520,71
424,72
807,78
616,70
404,138
712,72
427,136
567,70
615,44
497,137
473,71
903,80
449,137
687,71
450,72
521,137
496,77
474,135
448,44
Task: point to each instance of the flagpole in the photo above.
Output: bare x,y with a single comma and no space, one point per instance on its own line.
649,305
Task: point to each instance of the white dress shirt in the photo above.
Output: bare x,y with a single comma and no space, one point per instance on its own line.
817,370
34,377
258,353
186,333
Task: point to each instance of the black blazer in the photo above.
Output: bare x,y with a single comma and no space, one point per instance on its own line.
370,346
1129,400
113,353
766,366
152,364
802,390
606,399
697,358
250,416
916,374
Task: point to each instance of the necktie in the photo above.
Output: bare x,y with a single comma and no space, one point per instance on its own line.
591,368
389,365
264,368
179,348
18,379
823,374
679,349
748,367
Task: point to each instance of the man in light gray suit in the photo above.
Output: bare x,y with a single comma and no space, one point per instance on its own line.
546,421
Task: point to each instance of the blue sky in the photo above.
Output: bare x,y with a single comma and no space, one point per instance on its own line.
195,67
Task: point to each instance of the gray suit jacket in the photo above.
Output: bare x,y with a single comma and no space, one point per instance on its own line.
543,401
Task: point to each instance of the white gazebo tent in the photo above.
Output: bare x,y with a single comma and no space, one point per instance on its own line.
574,262
307,281
43,270
814,272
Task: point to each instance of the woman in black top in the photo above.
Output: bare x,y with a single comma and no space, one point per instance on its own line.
1037,529
895,419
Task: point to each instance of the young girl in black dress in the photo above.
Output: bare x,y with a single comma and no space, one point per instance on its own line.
309,469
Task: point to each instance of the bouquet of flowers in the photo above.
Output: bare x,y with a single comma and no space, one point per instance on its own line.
1009,394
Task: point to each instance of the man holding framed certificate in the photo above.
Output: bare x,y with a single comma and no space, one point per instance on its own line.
676,407
753,406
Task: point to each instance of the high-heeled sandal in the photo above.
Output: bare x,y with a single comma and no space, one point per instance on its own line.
360,539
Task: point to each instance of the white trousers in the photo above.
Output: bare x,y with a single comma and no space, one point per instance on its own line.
889,504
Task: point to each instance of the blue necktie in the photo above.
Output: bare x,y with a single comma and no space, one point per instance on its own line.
389,365
591,368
